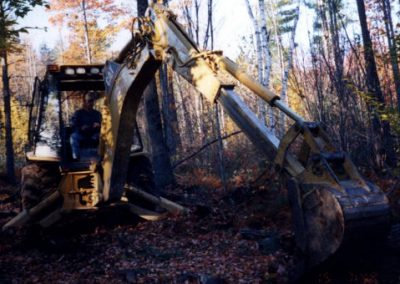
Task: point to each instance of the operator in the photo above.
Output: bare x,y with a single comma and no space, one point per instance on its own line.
85,125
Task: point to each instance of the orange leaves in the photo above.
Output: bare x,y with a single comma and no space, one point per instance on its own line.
66,11
91,26
200,177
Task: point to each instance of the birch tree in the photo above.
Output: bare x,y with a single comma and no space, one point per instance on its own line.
264,34
260,59
288,67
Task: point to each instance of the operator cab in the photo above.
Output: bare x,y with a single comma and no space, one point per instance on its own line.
54,102
61,95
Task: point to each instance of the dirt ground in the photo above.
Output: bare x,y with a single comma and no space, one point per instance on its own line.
239,236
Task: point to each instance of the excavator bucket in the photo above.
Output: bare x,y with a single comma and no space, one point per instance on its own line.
325,218
331,203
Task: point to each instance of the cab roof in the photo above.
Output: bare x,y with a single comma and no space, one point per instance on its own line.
76,77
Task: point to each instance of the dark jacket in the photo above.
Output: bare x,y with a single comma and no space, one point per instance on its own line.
84,117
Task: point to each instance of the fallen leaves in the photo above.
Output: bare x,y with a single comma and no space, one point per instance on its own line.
204,246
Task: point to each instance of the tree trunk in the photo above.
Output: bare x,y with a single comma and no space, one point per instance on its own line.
383,145
321,8
387,12
160,156
187,115
265,37
221,160
218,118
260,64
316,48
159,150
141,7
265,44
289,64
87,40
278,42
337,78
189,21
170,118
8,123
258,42
211,23
197,27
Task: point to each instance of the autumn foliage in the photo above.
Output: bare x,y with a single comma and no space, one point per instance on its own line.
92,26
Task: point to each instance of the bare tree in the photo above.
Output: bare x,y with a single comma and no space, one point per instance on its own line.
391,39
170,118
383,145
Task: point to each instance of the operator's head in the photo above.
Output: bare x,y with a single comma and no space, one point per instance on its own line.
88,100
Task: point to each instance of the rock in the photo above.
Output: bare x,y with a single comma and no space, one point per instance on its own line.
187,277
253,234
202,211
394,237
210,279
238,195
269,245
132,275
223,226
288,242
190,277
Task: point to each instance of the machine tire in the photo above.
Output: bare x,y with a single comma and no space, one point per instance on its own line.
141,176
37,181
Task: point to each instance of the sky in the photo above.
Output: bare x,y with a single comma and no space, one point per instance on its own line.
231,21
40,18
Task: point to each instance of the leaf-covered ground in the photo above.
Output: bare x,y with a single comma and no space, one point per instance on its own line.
237,237
240,236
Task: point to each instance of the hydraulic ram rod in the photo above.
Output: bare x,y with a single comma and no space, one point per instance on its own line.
267,95
254,129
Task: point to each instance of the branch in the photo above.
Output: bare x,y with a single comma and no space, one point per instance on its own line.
203,147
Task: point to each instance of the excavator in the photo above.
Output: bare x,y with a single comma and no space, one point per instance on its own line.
330,201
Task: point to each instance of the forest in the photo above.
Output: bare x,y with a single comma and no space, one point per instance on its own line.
333,63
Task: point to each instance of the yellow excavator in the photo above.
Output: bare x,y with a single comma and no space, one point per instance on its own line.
331,202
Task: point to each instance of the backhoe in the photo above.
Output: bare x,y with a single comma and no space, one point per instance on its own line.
331,202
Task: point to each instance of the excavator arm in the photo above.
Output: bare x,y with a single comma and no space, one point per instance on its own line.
161,39
331,202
